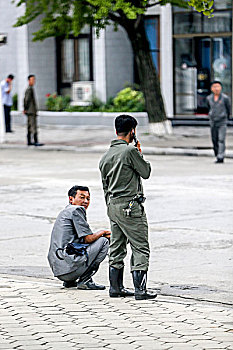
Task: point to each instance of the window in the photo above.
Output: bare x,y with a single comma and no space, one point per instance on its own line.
202,53
74,60
152,31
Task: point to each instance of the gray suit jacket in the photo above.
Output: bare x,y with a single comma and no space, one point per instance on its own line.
30,105
70,226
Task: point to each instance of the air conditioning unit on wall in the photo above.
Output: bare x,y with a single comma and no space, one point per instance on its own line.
82,93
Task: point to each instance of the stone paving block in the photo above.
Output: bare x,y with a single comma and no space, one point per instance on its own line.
151,344
119,347
224,337
107,331
112,337
92,345
205,343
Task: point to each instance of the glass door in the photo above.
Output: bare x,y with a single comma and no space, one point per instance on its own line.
198,61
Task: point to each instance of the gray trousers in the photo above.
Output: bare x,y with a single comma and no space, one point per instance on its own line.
97,252
218,135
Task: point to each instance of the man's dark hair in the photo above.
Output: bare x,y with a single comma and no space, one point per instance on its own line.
30,76
10,76
73,190
215,82
124,124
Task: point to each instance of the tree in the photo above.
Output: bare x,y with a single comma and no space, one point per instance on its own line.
61,17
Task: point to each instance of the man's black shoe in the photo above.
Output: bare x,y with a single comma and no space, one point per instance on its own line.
90,285
70,284
37,144
219,160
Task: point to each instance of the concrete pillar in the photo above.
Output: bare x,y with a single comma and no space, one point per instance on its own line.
99,63
22,61
166,57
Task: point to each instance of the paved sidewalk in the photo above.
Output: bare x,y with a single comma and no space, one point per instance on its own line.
36,314
189,141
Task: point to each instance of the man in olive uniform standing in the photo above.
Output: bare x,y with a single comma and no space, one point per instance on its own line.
122,167
30,109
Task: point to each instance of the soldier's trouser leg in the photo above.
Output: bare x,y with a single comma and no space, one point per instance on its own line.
34,128
221,141
117,250
214,137
97,251
29,128
134,228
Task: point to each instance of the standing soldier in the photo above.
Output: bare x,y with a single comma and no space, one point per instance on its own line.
30,109
122,167
219,112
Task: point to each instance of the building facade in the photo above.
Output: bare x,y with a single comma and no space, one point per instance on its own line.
188,49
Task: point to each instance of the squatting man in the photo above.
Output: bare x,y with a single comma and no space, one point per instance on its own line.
71,227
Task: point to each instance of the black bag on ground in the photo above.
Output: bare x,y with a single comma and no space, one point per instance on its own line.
77,249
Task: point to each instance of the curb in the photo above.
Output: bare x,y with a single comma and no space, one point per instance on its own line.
101,149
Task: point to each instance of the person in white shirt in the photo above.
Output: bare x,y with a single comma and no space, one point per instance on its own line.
6,87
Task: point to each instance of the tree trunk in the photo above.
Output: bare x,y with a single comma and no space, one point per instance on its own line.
149,81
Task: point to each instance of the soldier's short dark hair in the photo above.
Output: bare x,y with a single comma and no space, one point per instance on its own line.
30,76
10,76
73,190
124,124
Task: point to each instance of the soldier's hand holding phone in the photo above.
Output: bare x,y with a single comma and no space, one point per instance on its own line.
137,143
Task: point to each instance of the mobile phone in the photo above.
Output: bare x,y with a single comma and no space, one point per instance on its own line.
135,139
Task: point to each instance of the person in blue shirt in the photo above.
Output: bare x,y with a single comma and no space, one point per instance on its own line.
6,87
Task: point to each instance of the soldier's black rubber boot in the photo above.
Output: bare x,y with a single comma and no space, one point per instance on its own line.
116,283
86,282
123,291
139,280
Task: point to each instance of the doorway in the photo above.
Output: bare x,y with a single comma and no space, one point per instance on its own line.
198,61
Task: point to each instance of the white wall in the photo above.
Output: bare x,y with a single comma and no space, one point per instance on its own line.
8,52
42,63
119,60
21,57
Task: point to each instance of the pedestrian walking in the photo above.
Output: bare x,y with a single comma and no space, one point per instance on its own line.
6,87
71,227
219,112
30,109
122,167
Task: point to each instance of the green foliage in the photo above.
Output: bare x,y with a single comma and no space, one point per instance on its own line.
15,102
61,17
130,100
127,100
57,103
203,6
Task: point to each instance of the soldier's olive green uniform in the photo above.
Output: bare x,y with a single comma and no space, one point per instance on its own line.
122,167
